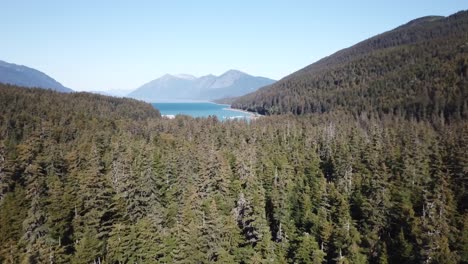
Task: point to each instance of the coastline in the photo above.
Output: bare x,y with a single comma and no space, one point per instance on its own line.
251,114
225,107
186,101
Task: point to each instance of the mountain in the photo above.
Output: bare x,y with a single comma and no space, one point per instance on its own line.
418,70
187,87
225,100
24,76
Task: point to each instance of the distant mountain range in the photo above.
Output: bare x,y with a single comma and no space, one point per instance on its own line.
182,87
187,87
24,76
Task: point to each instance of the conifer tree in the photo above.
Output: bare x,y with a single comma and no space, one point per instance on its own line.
308,251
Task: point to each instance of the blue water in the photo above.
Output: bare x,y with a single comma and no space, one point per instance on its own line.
199,110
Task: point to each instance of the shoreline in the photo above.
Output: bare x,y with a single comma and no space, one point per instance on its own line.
187,101
249,115
252,115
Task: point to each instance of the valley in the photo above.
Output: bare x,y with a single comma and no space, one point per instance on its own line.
360,157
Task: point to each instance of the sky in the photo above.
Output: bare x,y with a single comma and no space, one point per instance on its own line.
120,45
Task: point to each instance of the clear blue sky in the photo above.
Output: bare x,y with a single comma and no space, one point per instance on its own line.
102,45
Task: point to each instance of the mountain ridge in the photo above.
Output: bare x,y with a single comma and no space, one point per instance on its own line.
21,75
374,75
208,87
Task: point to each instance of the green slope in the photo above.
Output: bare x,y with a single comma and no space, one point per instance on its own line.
416,70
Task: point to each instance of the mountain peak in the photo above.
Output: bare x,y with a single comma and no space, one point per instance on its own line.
185,76
421,20
233,72
208,87
166,76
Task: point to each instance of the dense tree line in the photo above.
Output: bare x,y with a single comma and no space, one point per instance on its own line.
418,70
92,179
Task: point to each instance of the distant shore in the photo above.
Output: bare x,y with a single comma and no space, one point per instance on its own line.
168,116
251,114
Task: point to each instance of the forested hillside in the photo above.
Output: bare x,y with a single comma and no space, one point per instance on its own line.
92,179
417,70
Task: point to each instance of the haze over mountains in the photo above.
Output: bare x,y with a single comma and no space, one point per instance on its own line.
181,87
187,87
24,76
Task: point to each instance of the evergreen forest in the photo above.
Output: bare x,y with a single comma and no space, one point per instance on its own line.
360,158
93,179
